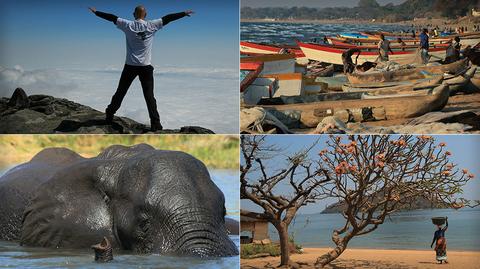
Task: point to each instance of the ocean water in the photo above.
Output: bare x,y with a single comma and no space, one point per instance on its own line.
404,230
199,96
287,33
14,256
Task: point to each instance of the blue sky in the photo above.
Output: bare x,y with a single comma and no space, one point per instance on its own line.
464,148
64,34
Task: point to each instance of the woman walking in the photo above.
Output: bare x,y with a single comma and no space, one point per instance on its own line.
440,242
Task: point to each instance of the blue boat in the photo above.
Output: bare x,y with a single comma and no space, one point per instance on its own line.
352,35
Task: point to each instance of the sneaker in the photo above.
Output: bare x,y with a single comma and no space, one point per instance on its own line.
156,127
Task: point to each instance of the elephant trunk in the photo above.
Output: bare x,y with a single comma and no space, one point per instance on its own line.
205,240
103,251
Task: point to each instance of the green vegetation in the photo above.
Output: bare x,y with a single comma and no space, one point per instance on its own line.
248,251
216,151
368,9
419,203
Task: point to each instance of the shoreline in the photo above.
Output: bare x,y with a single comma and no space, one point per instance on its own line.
328,21
374,258
421,22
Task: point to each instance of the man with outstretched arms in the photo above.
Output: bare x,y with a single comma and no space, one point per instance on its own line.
139,36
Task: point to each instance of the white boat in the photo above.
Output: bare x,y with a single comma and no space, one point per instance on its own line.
333,54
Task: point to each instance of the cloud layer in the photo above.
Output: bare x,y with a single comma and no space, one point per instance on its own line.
185,96
46,81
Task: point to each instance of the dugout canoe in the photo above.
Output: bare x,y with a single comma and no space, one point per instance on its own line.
420,72
361,94
411,84
310,111
458,83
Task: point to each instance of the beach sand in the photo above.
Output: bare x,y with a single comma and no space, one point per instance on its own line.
375,258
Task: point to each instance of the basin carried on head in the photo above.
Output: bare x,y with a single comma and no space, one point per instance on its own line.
438,220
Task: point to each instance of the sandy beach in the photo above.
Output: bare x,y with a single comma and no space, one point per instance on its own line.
375,258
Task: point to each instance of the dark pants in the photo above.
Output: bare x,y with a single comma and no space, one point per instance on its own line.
129,73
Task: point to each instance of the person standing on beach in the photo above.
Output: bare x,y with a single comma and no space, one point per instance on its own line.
139,36
440,243
348,65
383,49
401,43
424,45
453,51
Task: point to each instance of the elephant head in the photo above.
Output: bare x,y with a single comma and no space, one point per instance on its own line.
141,199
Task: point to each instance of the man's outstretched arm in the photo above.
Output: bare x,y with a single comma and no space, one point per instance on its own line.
103,15
175,16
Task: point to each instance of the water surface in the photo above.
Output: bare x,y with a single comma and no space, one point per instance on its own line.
404,230
287,33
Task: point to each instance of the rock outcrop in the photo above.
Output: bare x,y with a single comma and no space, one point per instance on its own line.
43,114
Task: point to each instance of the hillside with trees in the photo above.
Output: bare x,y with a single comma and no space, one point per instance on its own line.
420,203
368,9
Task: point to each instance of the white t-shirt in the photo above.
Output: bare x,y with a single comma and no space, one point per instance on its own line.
139,35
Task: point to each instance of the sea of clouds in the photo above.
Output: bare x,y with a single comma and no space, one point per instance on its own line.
185,96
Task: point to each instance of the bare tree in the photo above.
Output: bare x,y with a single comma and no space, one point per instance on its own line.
375,176
302,182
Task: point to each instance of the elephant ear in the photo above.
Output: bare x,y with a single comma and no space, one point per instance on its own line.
69,211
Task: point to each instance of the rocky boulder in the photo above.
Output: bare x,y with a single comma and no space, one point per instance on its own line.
43,114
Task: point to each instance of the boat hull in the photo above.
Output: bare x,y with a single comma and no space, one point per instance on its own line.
331,54
250,48
420,72
391,107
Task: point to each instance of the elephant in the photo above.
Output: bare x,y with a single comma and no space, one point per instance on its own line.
138,198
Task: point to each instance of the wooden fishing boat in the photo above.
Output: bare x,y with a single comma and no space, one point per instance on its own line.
334,83
250,48
458,83
413,84
419,72
296,84
387,34
253,69
409,44
467,39
311,111
333,54
275,85
475,80
273,63
319,69
361,94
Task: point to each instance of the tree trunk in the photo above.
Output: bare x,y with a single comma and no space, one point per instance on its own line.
284,244
332,255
